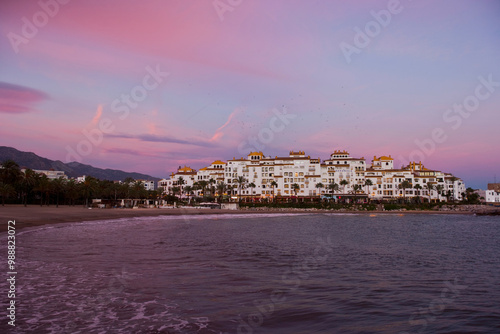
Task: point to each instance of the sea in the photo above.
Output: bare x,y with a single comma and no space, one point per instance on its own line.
258,273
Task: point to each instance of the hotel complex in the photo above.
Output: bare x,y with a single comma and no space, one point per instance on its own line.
300,175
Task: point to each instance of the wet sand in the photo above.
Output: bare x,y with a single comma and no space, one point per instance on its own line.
35,215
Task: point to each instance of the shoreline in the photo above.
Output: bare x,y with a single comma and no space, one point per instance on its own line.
34,215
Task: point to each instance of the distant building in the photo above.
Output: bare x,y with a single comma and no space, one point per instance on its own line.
492,196
51,174
148,185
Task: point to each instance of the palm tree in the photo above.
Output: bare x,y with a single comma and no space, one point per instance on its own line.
175,190
88,188
203,185
129,180
274,184
188,190
71,191
295,189
334,187
429,186
252,185
355,189
160,191
439,189
448,195
241,185
368,183
344,183
221,188
211,183
320,186
180,183
6,190
419,188
28,181
10,173
58,186
405,185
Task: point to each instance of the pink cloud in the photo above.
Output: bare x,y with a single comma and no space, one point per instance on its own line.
97,115
219,133
15,99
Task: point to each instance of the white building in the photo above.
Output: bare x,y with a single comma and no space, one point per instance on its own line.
185,176
268,177
148,185
51,174
492,196
81,179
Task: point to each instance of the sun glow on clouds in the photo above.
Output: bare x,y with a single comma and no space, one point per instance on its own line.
97,115
262,55
219,133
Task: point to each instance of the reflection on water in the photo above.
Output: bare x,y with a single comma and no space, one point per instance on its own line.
322,273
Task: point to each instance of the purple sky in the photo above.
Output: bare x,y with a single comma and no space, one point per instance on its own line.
232,68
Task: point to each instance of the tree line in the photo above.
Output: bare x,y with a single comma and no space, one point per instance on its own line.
30,187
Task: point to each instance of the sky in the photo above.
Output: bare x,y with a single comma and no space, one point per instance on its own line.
147,86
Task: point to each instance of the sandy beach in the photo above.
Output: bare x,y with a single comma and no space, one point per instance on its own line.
35,215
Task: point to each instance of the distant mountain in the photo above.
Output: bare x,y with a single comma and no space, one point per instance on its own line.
72,169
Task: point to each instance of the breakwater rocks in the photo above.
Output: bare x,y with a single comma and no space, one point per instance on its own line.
482,210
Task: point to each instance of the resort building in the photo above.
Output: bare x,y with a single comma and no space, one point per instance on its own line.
492,196
185,176
300,175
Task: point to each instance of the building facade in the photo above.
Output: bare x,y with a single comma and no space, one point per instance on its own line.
300,175
492,196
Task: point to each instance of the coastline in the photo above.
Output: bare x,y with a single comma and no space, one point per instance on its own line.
35,215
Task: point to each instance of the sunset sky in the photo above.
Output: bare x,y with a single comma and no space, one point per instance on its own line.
203,78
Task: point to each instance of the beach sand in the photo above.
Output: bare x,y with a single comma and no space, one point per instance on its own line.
35,215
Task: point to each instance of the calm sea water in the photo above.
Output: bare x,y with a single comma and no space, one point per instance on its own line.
322,273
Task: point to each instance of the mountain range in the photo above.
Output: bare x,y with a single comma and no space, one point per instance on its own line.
72,169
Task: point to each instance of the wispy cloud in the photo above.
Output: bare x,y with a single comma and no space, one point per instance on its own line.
219,133
15,99
97,115
162,139
127,151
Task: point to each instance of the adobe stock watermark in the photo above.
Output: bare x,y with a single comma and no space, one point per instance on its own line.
276,124
454,117
426,315
29,28
291,280
372,29
223,6
120,106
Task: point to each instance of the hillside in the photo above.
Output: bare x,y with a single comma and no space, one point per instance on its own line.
72,169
